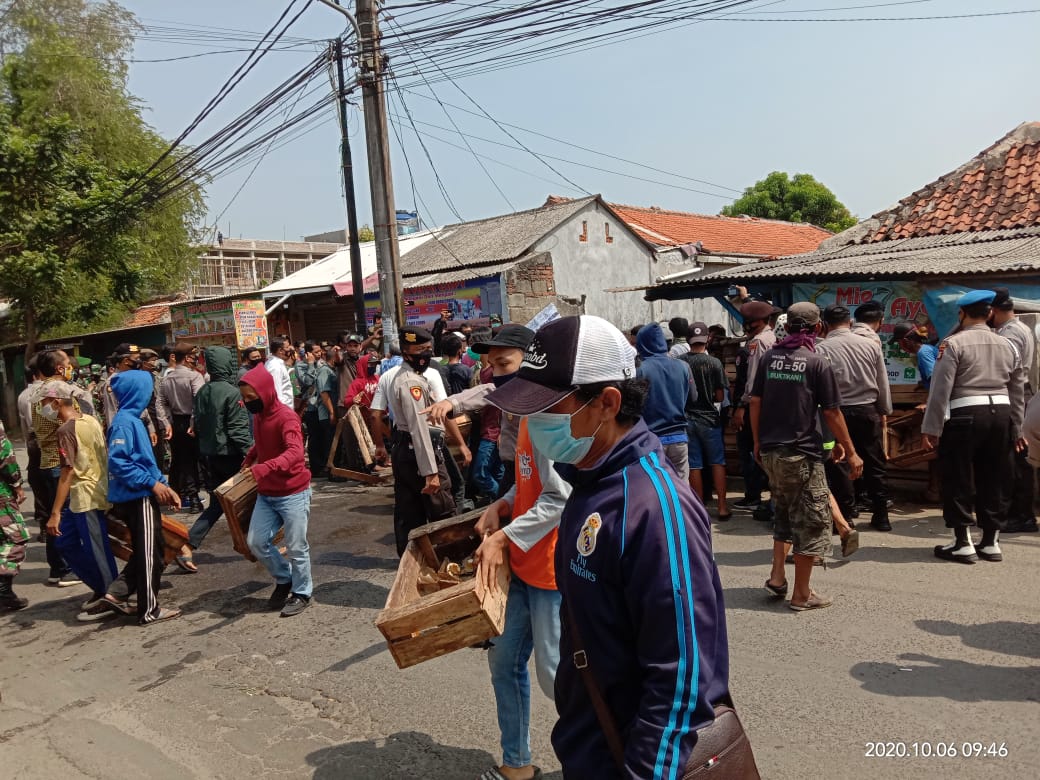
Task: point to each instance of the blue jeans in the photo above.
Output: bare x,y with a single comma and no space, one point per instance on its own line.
532,624
487,468
291,514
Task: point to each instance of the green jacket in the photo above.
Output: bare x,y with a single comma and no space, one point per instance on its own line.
221,421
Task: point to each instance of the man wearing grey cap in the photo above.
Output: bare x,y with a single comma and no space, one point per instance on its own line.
1021,518
973,417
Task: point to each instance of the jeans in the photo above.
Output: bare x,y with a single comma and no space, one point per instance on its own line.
532,625
487,468
291,514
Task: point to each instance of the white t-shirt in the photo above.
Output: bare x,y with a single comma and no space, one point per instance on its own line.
679,349
282,383
433,376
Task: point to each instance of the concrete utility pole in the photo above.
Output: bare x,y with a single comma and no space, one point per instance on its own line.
384,215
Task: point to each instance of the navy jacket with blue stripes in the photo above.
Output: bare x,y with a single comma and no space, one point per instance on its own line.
635,566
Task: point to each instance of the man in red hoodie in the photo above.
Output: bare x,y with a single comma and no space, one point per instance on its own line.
283,493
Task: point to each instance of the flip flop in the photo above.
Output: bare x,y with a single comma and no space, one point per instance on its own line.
164,614
122,607
187,564
816,601
850,543
778,591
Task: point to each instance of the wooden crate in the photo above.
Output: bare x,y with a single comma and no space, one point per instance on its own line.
417,627
237,497
904,441
175,536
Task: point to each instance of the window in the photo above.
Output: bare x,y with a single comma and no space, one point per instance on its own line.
584,237
606,231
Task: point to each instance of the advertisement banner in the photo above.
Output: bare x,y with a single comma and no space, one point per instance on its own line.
903,302
250,324
472,301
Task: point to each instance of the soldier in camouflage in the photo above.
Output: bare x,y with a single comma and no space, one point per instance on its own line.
13,533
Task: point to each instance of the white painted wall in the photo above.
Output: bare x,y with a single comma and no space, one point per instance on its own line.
591,267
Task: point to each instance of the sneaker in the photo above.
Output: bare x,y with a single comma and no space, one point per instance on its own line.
99,611
92,602
9,601
66,580
990,553
880,522
279,595
295,605
959,552
1021,527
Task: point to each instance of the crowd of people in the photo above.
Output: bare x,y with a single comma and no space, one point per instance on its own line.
594,455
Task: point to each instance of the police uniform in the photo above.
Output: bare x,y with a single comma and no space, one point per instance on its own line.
755,480
417,450
1020,515
974,406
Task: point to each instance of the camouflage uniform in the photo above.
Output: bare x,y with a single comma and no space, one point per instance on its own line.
13,533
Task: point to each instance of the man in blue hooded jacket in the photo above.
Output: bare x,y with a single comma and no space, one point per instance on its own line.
136,487
642,602
671,387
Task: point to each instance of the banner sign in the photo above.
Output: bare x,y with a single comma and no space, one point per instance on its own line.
216,323
903,302
250,324
472,301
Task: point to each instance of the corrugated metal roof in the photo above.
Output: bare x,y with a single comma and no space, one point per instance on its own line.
985,252
459,274
488,241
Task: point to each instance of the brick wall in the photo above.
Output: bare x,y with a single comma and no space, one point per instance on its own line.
530,287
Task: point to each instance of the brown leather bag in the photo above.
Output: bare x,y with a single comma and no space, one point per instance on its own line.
722,751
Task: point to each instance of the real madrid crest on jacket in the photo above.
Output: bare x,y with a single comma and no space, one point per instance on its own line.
416,453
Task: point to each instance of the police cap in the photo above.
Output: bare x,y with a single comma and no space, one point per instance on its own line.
757,310
976,296
412,336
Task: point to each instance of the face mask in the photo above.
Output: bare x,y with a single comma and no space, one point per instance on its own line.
48,412
419,362
254,406
68,373
370,369
255,363
498,381
551,435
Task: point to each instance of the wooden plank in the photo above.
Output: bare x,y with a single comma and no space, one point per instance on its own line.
237,497
436,609
428,553
362,438
405,589
437,528
175,536
440,640
361,476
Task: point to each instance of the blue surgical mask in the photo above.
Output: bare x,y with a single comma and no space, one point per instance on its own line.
551,435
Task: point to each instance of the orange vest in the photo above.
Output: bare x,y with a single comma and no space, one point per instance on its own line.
536,567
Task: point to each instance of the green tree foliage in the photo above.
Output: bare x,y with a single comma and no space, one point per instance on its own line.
76,251
365,233
798,199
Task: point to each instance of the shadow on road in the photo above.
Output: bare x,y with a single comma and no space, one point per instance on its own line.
928,676
403,755
362,655
752,598
359,562
1005,636
228,603
351,593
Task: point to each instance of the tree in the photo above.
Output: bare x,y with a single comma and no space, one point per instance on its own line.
365,233
798,199
83,235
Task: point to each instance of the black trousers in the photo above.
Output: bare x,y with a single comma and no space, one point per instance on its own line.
1023,491
841,487
508,478
319,440
755,480
184,468
413,508
143,571
864,424
44,494
976,460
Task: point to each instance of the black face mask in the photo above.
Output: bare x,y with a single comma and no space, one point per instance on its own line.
498,381
255,363
255,406
419,362
371,369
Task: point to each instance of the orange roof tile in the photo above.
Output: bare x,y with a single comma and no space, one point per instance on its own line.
719,235
153,314
998,188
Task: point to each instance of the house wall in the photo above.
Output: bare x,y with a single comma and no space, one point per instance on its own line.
586,269
531,286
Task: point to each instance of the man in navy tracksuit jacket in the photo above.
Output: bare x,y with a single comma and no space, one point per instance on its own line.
633,560
135,488
671,387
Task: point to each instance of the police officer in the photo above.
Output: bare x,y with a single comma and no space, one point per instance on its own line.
870,316
422,489
978,384
1021,517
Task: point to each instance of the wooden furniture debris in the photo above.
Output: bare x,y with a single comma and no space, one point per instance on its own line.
175,536
237,496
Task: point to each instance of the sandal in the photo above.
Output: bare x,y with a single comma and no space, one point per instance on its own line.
816,601
850,543
164,614
187,564
495,774
777,590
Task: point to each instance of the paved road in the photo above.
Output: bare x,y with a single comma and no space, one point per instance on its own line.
913,651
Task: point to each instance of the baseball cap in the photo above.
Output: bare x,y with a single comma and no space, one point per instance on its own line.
563,355
513,336
976,296
698,333
1003,300
835,313
124,349
60,390
905,330
353,337
803,312
412,335
148,354
757,310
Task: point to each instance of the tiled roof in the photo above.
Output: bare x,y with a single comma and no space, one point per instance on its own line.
488,241
986,252
152,314
997,189
719,235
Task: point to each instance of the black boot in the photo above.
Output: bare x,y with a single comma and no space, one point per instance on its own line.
8,599
879,518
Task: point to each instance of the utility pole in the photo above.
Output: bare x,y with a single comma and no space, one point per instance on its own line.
347,161
384,215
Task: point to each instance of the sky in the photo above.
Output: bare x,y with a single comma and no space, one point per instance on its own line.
874,110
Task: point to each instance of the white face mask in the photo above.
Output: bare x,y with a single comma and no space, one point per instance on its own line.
49,412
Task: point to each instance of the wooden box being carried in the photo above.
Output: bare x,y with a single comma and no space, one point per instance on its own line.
175,536
417,627
237,497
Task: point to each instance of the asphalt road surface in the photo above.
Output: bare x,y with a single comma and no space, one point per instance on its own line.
917,663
